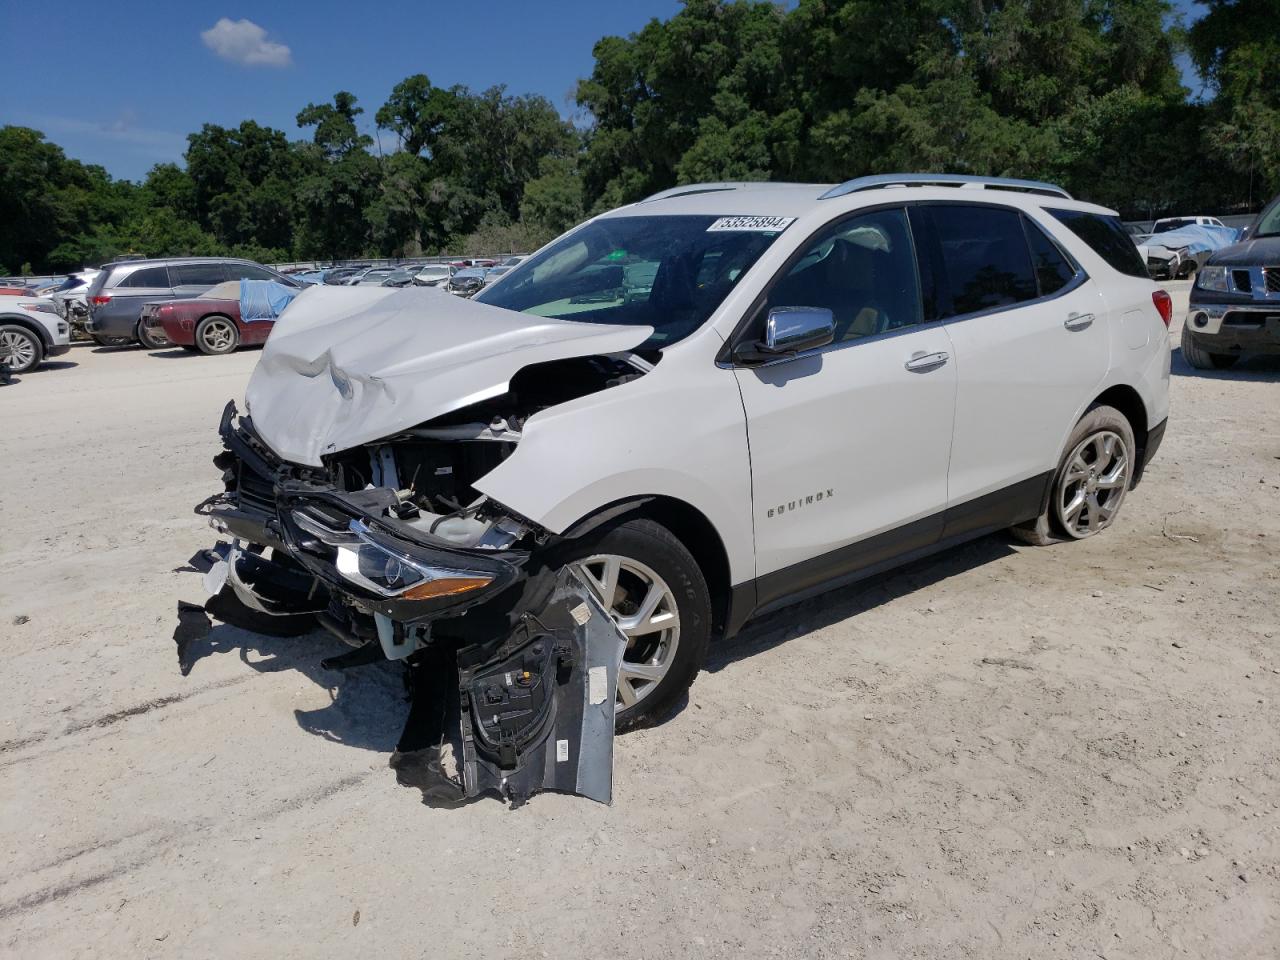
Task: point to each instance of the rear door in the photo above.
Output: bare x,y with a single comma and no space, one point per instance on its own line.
1029,331
196,279
849,443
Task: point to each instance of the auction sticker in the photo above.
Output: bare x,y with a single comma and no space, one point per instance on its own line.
751,224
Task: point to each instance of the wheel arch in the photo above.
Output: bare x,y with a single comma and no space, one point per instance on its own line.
687,524
1129,402
14,320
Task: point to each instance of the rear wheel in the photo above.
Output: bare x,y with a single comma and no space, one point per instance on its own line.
654,590
1202,359
25,351
149,340
217,335
1090,483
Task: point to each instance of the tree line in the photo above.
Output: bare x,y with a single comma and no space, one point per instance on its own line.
1086,93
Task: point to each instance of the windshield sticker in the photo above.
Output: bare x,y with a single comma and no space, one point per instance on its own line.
752,224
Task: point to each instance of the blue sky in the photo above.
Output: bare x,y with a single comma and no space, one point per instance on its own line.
121,84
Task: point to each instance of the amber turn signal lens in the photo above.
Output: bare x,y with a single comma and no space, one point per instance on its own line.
444,587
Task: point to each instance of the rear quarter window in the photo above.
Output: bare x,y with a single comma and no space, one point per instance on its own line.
1106,237
148,277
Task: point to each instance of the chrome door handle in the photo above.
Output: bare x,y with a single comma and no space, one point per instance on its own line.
1078,321
922,362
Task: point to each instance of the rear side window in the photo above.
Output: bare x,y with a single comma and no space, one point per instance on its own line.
249,271
985,261
198,274
1053,270
149,277
1107,238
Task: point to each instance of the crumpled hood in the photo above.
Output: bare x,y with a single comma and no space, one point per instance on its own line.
347,365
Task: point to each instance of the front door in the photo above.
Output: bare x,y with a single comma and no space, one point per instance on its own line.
849,443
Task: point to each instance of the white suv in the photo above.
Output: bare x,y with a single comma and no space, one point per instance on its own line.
709,404
31,332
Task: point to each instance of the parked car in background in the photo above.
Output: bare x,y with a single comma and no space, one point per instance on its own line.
1235,304
219,321
433,275
493,273
372,277
1177,253
401,277
1165,224
512,261
118,294
339,275
31,332
14,291
467,282
70,299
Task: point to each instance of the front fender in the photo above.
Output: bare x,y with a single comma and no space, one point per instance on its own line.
666,434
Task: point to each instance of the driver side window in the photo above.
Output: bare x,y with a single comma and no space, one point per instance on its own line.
863,270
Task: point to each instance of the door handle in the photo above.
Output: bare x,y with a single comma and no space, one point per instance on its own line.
1078,321
922,362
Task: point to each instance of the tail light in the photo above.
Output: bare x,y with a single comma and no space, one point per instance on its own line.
100,299
1164,303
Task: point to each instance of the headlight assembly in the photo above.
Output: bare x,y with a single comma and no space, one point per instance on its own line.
376,567
1212,278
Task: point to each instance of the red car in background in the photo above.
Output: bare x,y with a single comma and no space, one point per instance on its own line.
210,324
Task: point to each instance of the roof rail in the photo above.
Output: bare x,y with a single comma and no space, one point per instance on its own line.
883,180
689,189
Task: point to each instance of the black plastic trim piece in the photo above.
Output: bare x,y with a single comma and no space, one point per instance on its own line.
1155,436
975,518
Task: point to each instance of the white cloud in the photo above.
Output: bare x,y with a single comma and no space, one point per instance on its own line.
244,42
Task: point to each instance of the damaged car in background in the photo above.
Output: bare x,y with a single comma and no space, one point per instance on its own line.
723,399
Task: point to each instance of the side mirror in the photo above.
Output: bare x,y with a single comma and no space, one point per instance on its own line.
787,332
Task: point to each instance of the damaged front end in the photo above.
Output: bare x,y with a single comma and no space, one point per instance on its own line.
512,659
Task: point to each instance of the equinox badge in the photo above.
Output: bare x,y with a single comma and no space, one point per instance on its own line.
807,500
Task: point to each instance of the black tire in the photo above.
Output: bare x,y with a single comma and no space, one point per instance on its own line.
654,546
1202,359
28,348
213,346
148,340
1049,526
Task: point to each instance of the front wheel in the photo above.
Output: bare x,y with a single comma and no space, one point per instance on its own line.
657,595
1090,482
1202,359
25,351
217,335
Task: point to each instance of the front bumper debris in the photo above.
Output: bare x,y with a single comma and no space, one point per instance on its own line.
512,663
522,712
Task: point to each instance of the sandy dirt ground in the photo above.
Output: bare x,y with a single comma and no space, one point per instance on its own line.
1005,751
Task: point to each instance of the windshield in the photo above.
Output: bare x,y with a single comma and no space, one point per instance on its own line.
667,272
1269,222
1164,226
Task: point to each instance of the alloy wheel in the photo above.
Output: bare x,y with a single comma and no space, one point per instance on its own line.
217,335
645,610
22,352
1093,484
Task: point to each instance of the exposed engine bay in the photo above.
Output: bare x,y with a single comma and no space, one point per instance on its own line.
512,659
